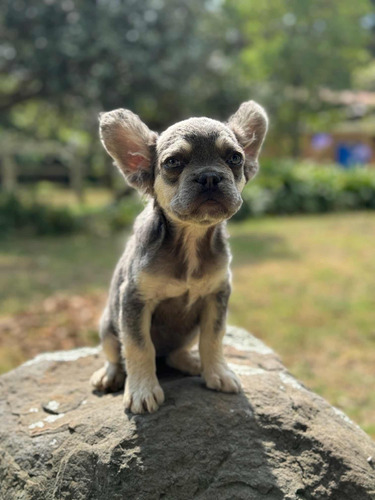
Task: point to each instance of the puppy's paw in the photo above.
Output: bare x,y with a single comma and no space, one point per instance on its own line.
221,378
144,396
185,361
109,378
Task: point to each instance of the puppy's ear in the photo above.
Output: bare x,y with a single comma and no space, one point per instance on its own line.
250,124
131,144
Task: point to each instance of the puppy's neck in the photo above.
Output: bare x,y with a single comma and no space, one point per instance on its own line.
194,242
192,239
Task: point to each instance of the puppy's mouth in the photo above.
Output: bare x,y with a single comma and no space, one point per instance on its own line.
210,201
206,207
204,210
211,206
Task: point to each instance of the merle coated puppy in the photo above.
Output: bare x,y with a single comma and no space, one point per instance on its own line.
172,284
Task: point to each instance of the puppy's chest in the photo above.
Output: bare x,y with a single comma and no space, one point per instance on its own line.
185,265
157,287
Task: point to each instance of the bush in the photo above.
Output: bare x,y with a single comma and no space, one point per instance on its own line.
289,188
280,188
38,219
34,218
113,217
123,213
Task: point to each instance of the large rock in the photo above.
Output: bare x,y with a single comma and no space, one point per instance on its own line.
276,440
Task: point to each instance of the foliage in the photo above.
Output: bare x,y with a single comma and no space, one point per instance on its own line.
289,188
114,216
100,55
23,214
122,214
294,48
280,188
62,62
16,216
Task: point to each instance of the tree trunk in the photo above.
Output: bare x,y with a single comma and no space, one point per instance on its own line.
9,174
296,132
77,181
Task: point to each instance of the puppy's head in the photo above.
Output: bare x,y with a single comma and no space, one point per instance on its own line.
197,168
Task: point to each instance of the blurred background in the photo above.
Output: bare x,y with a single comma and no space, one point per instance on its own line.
303,243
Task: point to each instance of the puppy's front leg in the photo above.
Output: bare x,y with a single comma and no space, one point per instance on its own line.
215,370
142,389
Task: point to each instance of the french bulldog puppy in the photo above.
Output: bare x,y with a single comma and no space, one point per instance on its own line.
171,286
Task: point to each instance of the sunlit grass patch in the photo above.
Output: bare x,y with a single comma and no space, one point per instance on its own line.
314,302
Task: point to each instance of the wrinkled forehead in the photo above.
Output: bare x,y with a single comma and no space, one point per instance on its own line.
196,134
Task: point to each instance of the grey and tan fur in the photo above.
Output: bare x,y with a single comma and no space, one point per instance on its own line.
171,286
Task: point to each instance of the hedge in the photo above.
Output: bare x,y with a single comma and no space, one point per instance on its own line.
35,219
291,188
280,188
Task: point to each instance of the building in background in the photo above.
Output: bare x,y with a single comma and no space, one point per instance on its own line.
350,142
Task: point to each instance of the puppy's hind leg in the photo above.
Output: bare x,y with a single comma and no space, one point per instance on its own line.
111,376
184,361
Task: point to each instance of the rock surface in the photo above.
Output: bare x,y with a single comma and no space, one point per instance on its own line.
276,440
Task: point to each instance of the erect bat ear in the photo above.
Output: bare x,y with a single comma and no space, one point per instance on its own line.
250,123
131,144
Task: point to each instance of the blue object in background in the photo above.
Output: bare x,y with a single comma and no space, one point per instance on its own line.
321,141
362,153
343,155
350,155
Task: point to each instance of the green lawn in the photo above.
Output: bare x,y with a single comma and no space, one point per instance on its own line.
304,285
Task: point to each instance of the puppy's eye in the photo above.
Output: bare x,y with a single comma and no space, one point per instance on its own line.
172,162
235,159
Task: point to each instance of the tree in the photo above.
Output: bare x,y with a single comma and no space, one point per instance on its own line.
294,48
149,55
64,61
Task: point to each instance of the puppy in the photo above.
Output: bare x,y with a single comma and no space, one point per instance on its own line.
172,284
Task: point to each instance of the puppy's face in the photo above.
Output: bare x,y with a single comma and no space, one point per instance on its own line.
197,168
199,171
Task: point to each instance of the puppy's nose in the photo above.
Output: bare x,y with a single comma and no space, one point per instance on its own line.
209,179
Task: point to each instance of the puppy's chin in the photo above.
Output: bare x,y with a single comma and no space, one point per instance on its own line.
205,212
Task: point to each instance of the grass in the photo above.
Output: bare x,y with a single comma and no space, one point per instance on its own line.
33,269
304,285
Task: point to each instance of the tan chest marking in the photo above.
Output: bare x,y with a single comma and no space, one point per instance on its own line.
156,288
189,242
